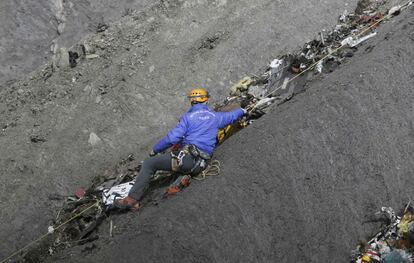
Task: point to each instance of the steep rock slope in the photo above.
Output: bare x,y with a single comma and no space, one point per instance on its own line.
31,31
61,128
300,184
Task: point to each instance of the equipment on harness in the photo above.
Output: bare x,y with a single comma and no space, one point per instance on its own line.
198,96
199,157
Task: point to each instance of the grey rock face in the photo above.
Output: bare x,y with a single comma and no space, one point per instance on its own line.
32,31
302,183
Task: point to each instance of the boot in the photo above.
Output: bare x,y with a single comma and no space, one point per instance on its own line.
126,203
179,184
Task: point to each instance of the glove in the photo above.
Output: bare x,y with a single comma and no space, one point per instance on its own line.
152,153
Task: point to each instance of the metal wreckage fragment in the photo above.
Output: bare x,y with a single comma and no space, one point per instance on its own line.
393,243
274,85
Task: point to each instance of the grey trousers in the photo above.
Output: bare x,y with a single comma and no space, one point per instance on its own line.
160,162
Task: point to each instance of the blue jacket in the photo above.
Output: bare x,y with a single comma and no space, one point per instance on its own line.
199,127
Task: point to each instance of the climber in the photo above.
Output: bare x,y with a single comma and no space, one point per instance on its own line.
196,136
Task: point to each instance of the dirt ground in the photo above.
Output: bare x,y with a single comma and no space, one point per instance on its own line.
60,128
31,31
299,185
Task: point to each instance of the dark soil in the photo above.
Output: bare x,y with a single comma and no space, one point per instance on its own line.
299,185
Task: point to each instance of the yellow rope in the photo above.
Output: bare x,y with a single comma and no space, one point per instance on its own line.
212,170
54,229
252,107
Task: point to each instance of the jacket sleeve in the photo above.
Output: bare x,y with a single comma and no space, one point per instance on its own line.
227,118
173,136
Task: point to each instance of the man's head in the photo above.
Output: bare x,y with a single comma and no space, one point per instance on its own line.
198,96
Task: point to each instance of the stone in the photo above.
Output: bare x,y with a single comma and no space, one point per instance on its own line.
94,139
92,56
61,59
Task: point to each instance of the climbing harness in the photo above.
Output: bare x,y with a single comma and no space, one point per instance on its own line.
200,159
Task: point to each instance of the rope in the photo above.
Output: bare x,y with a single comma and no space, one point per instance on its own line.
212,170
47,234
252,107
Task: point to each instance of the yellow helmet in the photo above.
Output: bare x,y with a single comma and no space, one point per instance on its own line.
198,96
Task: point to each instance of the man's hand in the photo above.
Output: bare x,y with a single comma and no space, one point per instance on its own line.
152,153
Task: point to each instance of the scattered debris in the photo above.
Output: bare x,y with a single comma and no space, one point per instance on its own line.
111,228
101,27
116,192
319,66
37,138
241,86
276,63
73,56
395,10
350,41
393,243
79,192
211,41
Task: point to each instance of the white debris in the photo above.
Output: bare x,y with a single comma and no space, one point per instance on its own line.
50,229
92,56
394,10
344,17
355,42
285,83
94,139
264,103
118,192
276,63
319,66
257,91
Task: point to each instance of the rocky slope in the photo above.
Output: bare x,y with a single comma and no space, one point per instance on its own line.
31,31
62,127
300,184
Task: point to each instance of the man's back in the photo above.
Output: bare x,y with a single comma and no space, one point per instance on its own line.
199,127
